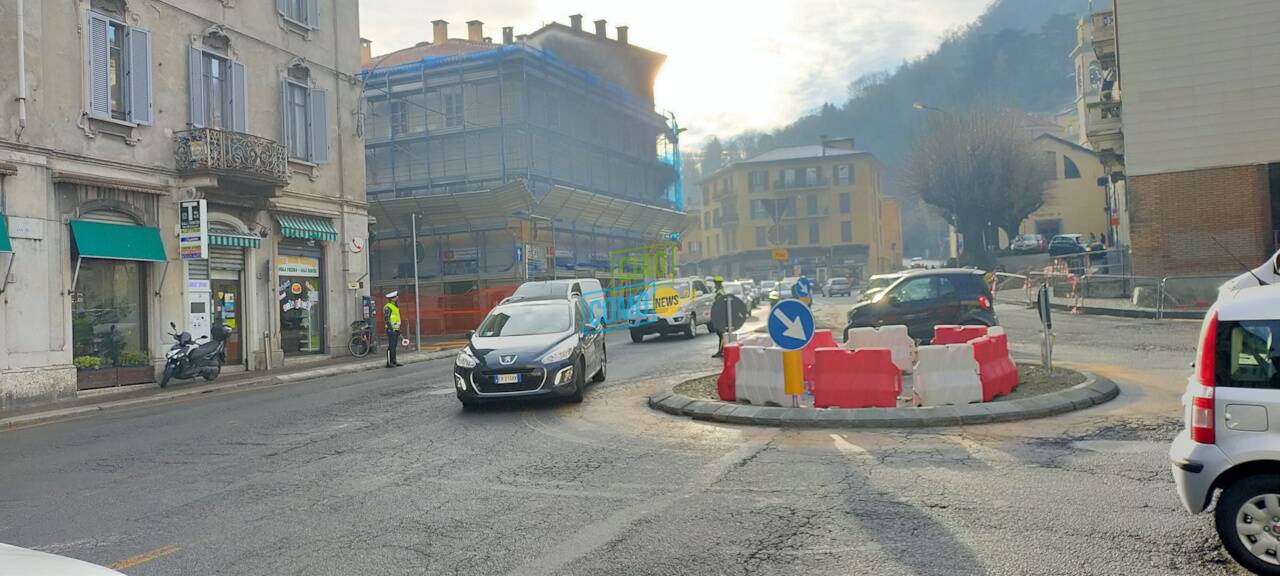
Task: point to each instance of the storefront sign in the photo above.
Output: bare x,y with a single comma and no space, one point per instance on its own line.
459,254
298,266
198,285
193,229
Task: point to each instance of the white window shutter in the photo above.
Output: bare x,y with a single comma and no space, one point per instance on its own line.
318,108
284,113
239,98
99,63
195,86
313,13
282,6
139,74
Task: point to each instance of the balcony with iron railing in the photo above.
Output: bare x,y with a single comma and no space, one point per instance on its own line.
801,184
1104,128
234,155
1104,38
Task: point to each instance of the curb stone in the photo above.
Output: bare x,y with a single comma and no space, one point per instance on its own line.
180,392
1093,391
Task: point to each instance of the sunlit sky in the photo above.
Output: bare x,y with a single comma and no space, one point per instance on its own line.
733,65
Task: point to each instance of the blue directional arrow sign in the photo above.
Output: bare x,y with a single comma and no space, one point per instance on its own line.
802,288
791,325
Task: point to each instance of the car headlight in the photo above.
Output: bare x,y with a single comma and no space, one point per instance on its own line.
559,353
466,359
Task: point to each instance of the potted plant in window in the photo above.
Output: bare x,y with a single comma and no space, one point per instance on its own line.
134,368
90,372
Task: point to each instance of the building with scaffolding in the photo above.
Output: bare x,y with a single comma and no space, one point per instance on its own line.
533,158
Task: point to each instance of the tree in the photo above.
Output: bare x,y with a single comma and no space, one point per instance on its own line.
979,170
712,156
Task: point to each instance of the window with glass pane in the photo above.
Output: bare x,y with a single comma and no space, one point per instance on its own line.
811,176
814,233
844,202
811,204
108,312
844,174
217,92
789,177
846,232
1254,355
116,67
296,115
399,114
453,107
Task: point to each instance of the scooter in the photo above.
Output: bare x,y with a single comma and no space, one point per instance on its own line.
189,357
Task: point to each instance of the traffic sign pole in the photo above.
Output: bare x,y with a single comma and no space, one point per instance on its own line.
791,328
793,374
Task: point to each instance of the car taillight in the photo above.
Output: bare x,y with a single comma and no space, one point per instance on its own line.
1202,413
984,302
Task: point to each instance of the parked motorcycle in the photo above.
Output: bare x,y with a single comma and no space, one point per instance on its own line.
190,357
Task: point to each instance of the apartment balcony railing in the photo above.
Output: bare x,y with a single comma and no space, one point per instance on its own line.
1104,129
232,154
800,184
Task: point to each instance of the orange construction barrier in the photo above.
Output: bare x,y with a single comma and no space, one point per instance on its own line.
952,334
862,378
726,384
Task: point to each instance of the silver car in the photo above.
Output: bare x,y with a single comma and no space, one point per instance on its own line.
1231,443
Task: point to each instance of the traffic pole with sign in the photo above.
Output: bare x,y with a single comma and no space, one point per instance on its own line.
791,328
1046,327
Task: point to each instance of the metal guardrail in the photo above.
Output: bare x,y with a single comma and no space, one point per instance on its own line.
1008,287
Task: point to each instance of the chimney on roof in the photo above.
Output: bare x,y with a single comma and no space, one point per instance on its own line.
366,52
439,31
841,143
622,34
601,30
575,21
475,31
508,34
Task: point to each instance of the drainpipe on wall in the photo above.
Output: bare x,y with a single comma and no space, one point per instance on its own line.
22,72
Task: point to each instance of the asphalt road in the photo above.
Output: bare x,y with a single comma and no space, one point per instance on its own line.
381,473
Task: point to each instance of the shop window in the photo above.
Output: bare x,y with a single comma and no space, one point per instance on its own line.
108,319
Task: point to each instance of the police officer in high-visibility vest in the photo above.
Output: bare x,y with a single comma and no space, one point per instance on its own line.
391,322
723,333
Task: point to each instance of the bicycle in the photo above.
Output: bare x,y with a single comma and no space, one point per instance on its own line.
363,341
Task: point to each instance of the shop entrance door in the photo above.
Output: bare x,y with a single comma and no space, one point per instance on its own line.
227,309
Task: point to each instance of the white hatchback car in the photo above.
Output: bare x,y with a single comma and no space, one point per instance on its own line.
15,561
1231,442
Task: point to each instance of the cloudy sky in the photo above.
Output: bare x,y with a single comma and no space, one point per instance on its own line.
732,65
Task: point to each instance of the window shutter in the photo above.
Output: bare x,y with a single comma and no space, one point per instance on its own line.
282,6
139,77
318,107
99,81
239,98
284,113
195,86
313,13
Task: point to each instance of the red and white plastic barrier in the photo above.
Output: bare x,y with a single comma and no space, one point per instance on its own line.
725,384
894,337
862,378
759,378
946,375
944,334
1010,371
821,339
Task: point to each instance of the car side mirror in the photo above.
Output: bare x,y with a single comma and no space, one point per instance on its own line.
470,333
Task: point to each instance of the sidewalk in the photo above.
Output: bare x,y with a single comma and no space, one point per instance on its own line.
146,394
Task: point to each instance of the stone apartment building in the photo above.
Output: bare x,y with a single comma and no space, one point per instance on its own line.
114,111
822,203
1192,116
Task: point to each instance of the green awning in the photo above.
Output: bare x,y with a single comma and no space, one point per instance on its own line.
117,241
5,244
306,227
233,239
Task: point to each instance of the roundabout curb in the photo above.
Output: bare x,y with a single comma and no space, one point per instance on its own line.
1093,391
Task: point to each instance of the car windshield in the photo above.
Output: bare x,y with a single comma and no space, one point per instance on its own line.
550,318
733,288
537,290
768,284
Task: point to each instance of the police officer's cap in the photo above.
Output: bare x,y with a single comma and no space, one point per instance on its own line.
393,293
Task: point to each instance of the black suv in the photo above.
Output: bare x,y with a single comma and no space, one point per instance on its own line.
922,299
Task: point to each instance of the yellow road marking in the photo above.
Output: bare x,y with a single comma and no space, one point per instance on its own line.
145,557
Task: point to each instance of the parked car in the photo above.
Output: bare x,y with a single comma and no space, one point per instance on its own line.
588,288
1230,444
1067,244
918,262
539,348
786,289
839,286
752,292
696,299
922,299
15,560
1028,244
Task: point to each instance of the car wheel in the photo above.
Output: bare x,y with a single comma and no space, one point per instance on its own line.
1248,522
691,329
469,405
579,382
637,336
603,372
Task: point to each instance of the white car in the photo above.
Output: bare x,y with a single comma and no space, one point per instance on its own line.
1231,441
15,561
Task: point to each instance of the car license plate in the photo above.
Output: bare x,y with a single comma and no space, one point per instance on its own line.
508,379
